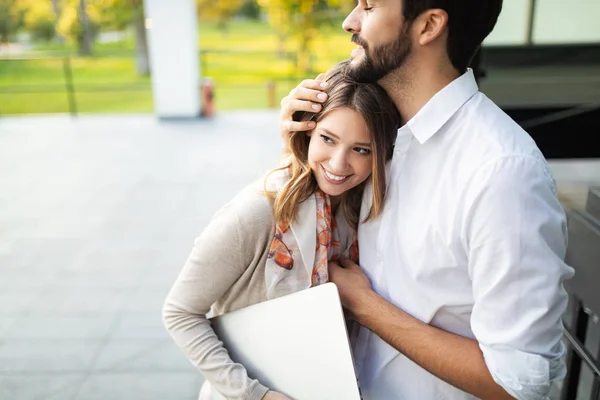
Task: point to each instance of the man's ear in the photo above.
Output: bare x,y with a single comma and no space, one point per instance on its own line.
430,25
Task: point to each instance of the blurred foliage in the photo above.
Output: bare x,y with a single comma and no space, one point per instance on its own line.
219,11
241,63
40,20
245,46
123,14
250,10
12,13
301,20
118,14
79,22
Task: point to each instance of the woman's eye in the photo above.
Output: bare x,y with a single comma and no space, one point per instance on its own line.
326,139
362,151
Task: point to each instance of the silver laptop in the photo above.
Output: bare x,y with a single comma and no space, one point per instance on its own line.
296,345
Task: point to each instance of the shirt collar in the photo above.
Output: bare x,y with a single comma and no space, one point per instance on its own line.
441,107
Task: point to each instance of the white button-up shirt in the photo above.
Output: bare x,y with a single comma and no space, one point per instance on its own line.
471,240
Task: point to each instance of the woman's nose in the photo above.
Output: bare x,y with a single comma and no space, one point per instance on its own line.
339,162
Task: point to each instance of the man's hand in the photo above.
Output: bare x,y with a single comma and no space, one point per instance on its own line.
455,359
307,96
274,396
352,283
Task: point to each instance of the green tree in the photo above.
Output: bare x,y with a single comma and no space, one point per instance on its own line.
122,14
219,11
56,7
12,13
250,9
40,20
79,23
299,19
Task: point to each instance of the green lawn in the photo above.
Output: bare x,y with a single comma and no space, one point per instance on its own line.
241,61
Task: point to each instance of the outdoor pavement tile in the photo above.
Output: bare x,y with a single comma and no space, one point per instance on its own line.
135,355
161,279
97,277
34,386
146,301
58,301
147,326
141,386
60,328
5,323
47,355
15,300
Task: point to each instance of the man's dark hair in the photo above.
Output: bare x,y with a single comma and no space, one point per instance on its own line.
469,23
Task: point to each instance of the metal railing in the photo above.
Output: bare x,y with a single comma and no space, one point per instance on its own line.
582,328
60,84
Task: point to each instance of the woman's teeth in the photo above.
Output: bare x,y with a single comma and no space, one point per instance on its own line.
335,177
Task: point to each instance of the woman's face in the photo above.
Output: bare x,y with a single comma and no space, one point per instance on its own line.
339,152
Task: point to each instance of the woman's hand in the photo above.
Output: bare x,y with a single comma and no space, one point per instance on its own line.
307,96
275,396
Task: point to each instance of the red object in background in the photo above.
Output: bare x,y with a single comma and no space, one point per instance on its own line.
208,98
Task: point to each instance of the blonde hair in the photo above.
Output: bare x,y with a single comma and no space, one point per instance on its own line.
382,119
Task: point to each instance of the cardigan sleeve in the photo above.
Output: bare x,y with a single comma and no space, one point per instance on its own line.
219,257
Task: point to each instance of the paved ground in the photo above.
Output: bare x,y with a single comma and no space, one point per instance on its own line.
97,215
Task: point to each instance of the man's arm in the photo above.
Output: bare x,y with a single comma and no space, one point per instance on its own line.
514,232
452,358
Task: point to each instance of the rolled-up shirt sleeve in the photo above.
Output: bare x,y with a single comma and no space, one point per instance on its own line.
516,236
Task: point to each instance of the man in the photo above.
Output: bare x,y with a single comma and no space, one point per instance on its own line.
460,292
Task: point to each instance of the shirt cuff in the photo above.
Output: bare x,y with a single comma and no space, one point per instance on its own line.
258,391
523,375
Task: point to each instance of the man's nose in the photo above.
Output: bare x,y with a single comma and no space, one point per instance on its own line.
352,22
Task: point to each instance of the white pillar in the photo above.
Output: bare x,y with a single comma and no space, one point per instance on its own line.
173,49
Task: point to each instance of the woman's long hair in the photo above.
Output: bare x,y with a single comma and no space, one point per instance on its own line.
383,121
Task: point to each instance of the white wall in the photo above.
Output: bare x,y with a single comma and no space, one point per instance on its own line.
511,28
567,21
555,22
173,48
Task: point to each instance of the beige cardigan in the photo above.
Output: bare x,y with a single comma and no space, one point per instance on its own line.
225,271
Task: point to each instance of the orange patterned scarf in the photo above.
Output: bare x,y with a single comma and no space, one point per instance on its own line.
285,270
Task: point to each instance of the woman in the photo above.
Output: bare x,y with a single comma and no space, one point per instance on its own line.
250,253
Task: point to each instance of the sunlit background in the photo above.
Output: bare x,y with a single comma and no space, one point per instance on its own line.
101,196
248,48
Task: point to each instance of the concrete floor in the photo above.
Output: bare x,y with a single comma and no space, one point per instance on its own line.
97,215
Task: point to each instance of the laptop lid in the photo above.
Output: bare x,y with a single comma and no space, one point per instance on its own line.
296,345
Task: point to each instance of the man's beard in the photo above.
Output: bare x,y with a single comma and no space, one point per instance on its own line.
384,59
